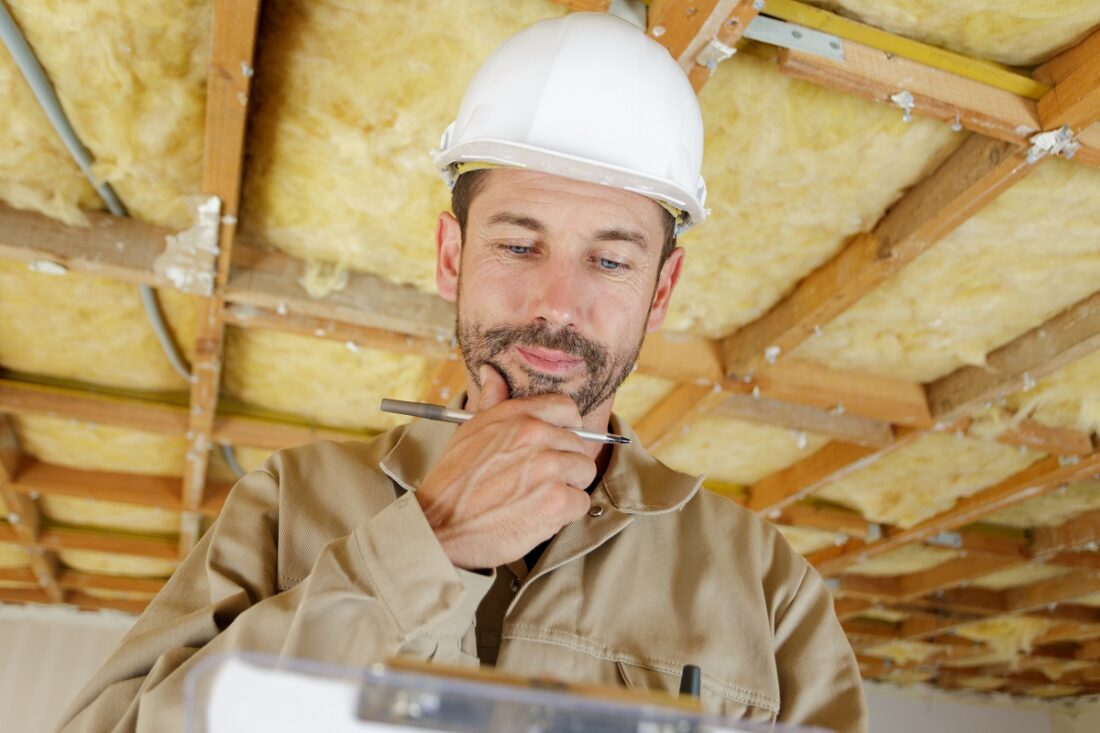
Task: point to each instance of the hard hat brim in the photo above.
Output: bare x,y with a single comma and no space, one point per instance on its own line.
510,154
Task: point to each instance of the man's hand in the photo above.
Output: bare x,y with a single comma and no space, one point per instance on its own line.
511,477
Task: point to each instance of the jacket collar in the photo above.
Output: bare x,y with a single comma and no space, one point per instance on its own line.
635,481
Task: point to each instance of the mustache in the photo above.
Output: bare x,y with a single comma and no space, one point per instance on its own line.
499,338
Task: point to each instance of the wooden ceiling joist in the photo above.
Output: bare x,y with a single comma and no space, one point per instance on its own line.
1074,75
228,85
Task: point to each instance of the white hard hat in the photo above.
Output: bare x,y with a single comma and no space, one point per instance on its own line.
586,96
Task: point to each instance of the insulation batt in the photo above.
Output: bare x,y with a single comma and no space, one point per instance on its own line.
638,394
87,328
902,651
102,563
13,555
149,59
1006,636
771,140
1014,32
805,540
1019,576
925,478
884,614
1067,398
1053,507
902,561
735,451
320,380
95,447
348,99
111,515
981,286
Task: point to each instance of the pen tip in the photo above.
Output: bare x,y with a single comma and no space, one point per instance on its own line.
621,440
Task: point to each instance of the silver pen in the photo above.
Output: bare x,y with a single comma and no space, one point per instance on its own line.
429,411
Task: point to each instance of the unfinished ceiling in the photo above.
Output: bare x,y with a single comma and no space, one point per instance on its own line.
886,340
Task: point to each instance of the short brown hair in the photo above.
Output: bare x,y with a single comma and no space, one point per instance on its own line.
469,184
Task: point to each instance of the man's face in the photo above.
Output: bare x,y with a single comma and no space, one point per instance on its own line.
559,283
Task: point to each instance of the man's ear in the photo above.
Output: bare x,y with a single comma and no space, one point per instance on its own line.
448,255
666,282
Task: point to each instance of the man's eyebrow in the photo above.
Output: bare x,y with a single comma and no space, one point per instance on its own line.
507,217
622,235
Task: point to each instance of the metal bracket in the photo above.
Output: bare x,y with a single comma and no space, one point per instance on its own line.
791,35
946,539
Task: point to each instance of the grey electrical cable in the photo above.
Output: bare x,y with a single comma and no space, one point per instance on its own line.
43,91
231,459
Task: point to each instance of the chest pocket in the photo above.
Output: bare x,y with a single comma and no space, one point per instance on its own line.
717,697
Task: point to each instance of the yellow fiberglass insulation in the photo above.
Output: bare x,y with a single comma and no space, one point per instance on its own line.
1092,599
132,80
770,141
903,651
982,683
1051,508
103,563
1053,690
1019,576
805,540
1014,32
884,614
13,556
925,478
109,515
1006,636
638,394
96,447
121,595
349,99
91,329
983,285
902,561
323,381
1067,398
735,451
1056,669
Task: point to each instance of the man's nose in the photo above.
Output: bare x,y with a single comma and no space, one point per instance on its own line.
556,298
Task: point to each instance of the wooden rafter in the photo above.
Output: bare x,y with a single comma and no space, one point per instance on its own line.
1074,99
229,82
699,33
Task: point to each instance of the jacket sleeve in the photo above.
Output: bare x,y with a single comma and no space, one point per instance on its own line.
387,588
819,678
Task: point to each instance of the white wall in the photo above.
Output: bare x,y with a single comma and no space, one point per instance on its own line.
50,652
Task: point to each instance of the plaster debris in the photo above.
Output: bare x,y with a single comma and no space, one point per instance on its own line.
904,99
189,258
47,267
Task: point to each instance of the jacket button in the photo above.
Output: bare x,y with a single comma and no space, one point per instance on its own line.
595,511
514,585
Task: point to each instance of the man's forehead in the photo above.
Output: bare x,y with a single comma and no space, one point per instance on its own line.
539,196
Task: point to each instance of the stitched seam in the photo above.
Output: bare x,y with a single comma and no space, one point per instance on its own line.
576,643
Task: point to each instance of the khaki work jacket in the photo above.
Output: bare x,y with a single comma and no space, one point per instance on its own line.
324,553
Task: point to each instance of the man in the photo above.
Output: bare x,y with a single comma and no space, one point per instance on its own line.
509,541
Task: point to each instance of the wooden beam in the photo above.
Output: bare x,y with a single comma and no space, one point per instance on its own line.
1068,336
1037,436
248,316
1074,99
228,84
828,518
689,28
833,423
23,515
729,33
889,399
162,492
95,603
145,413
954,572
56,538
684,404
964,183
1037,479
1053,591
76,580
1079,533
879,75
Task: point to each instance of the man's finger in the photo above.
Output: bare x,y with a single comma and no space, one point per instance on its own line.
494,389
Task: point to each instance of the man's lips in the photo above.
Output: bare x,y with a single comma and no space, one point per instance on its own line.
549,360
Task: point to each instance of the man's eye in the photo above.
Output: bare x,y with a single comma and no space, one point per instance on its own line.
610,265
517,249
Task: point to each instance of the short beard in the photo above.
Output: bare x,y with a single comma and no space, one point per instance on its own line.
605,373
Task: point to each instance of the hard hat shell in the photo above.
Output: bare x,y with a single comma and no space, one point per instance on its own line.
586,96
